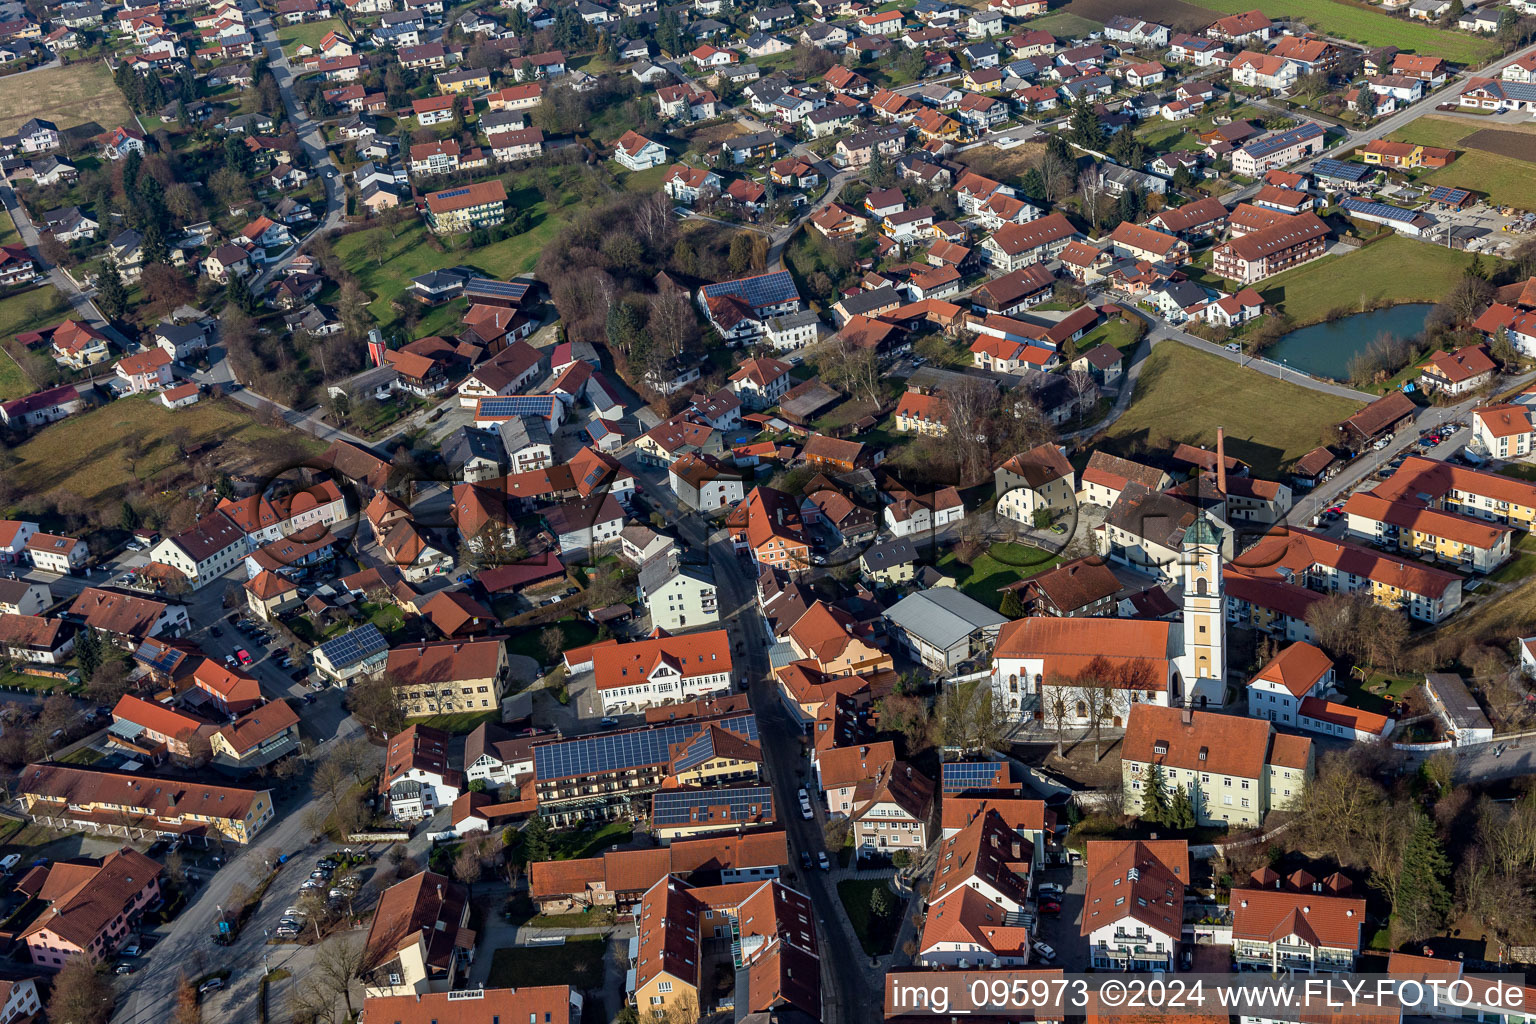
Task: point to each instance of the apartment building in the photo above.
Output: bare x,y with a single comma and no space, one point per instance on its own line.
93,905
140,806
1268,251
1295,932
420,940
1233,770
448,676
977,900
456,210
1133,906
1416,529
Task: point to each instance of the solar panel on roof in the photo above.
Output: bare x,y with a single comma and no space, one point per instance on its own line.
157,657
1374,209
589,755
515,405
504,289
957,777
355,646
714,806
1445,194
1343,170
761,291
453,193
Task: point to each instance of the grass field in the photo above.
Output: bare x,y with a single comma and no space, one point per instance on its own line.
1003,563
1065,25
8,233
28,311
1181,16
67,96
1503,178
1120,332
1396,270
89,454
1370,27
460,723
578,963
1184,395
308,33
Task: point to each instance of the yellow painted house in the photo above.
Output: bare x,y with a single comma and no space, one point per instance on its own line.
456,82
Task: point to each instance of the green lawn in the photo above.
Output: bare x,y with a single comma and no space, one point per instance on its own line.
1184,395
578,963
8,233
1119,332
648,180
1503,178
1370,27
26,311
1002,564
1377,694
308,33
590,841
1396,270
875,936
528,641
1063,25
459,723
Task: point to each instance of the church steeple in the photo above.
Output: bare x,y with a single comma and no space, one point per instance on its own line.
1204,655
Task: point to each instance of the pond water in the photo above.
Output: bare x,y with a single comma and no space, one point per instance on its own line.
1324,350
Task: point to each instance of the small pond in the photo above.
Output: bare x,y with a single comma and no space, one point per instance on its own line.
1324,350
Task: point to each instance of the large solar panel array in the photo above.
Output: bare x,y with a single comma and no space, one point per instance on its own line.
711,806
516,405
606,752
1341,170
1374,209
1451,196
699,749
960,776
758,292
351,648
514,290
1289,137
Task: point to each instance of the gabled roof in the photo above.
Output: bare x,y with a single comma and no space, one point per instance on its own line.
1268,915
1297,669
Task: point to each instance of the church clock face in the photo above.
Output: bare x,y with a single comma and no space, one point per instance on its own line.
1202,565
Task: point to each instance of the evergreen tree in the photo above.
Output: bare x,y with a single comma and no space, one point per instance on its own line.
236,155
1154,802
239,294
536,838
1130,204
1420,898
128,518
88,652
1085,128
1181,812
880,904
1033,184
1057,147
155,249
1011,606
111,293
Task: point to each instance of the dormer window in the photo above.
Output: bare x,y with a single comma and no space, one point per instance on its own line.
1203,752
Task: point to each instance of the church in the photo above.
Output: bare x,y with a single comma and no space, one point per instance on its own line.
1052,668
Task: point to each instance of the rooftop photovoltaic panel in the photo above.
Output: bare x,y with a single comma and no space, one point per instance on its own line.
351,648
514,290
1289,137
605,752
1342,170
515,405
157,657
758,292
1373,209
452,193
1444,194
711,806
960,776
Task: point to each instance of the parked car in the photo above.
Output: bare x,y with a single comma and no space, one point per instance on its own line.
1050,907
805,859
821,861
1049,891
212,984
125,968
1043,952
132,949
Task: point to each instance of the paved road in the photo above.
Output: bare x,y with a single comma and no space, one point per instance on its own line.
310,137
